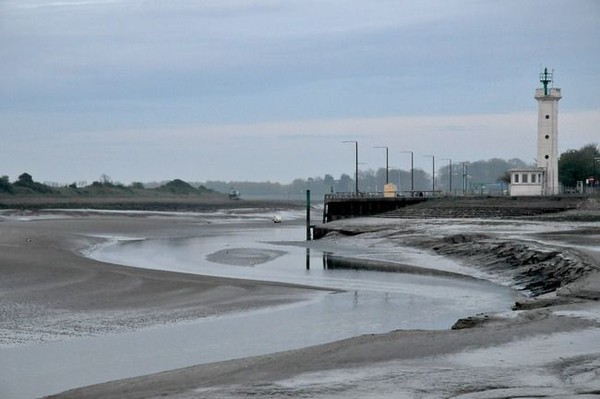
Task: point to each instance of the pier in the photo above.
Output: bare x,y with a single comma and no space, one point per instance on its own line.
348,205
342,207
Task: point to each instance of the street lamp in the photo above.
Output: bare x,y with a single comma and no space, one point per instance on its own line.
387,165
464,177
449,173
412,171
596,159
356,162
432,172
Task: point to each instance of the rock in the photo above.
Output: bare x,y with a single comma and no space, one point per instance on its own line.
470,322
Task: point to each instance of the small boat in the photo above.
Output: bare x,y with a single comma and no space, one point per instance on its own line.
234,195
277,219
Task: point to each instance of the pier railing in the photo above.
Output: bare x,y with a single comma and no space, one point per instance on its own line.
380,194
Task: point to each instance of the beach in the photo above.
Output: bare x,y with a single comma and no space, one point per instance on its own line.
547,347
50,290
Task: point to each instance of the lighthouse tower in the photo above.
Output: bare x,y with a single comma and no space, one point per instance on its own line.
547,147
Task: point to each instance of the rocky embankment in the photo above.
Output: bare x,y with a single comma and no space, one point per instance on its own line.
487,207
535,263
528,266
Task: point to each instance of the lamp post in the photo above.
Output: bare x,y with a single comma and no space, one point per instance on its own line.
449,173
356,162
464,177
412,171
387,165
432,172
596,159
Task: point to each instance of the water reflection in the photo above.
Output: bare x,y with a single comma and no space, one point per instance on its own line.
372,300
307,258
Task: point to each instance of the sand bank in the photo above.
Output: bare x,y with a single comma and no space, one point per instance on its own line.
548,349
49,291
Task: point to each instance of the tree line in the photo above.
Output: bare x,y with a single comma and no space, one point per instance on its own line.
474,174
482,177
25,185
582,165
485,176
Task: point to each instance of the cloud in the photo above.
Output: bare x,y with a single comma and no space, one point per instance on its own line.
33,4
206,82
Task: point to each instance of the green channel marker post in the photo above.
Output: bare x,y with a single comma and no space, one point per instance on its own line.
308,235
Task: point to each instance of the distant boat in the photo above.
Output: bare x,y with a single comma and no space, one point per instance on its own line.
277,219
234,195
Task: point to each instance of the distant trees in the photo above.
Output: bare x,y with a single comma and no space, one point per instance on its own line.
369,180
5,185
492,172
579,165
180,187
137,185
25,186
477,174
574,166
25,181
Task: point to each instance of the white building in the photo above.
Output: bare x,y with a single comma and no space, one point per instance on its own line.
542,180
527,182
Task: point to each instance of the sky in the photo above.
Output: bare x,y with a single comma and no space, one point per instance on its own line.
268,90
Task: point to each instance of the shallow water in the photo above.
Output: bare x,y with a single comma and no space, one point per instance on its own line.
372,302
189,255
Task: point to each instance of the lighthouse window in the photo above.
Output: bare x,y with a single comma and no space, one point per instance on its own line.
547,156
547,137
516,177
524,178
547,116
533,178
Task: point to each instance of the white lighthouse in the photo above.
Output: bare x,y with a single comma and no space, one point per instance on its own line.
542,180
547,147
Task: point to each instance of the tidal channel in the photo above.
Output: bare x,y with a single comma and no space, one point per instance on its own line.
364,302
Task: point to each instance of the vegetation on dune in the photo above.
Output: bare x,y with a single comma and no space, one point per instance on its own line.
180,187
25,186
471,177
5,186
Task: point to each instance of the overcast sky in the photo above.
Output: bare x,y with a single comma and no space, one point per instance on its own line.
258,90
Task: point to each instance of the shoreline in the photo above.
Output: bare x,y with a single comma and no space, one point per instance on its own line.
126,204
268,376
50,290
320,366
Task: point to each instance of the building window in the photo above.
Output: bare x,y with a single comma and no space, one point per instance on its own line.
547,116
524,177
547,137
533,177
516,177
547,156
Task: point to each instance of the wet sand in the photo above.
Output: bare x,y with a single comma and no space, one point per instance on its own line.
49,291
549,349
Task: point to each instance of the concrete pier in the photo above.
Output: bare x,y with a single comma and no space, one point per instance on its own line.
347,206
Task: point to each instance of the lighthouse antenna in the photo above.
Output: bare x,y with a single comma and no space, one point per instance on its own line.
545,78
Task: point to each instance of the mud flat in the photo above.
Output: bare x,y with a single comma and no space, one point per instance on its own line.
49,291
547,347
